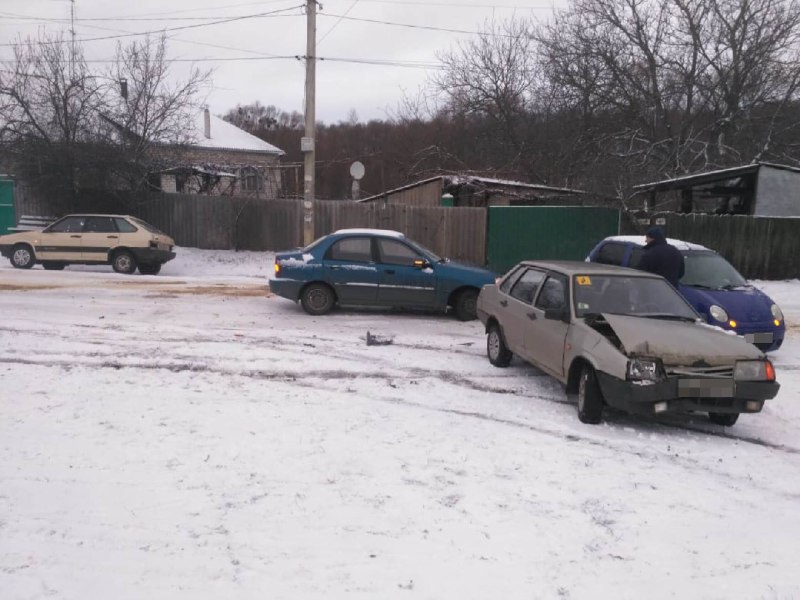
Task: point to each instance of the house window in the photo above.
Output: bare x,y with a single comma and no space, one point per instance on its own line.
250,180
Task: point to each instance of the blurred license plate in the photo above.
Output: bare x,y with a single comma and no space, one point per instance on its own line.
705,388
163,246
758,338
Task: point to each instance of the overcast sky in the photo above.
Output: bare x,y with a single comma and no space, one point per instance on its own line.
259,51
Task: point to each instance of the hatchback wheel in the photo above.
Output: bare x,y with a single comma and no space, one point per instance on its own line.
53,266
124,262
496,349
590,398
317,299
22,256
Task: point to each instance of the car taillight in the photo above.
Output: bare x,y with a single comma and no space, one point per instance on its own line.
770,370
277,269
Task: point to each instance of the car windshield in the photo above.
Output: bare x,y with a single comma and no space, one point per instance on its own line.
146,226
710,270
425,252
636,296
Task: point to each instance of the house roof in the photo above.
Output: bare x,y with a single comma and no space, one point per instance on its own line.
708,177
467,179
226,136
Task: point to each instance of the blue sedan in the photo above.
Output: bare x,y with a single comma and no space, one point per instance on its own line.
712,286
376,267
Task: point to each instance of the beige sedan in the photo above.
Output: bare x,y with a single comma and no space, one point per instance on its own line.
622,338
122,241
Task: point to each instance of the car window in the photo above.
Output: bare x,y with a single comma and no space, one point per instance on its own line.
99,225
525,288
123,226
67,225
553,294
710,270
611,253
145,225
622,295
393,252
509,281
354,249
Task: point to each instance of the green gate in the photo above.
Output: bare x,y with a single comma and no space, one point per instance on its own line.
8,216
546,233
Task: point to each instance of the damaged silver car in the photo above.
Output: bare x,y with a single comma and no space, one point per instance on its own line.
622,338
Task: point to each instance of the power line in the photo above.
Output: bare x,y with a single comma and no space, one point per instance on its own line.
426,27
347,12
220,22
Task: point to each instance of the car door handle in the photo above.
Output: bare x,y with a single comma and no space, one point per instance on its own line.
503,302
389,271
531,316
74,236
113,237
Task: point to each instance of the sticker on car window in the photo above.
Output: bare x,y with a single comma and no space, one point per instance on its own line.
583,306
583,280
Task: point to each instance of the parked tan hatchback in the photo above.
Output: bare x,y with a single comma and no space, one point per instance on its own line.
122,241
622,338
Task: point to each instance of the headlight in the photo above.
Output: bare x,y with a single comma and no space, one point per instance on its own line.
776,312
718,313
644,369
754,370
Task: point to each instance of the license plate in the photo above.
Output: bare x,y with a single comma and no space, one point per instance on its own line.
758,338
706,388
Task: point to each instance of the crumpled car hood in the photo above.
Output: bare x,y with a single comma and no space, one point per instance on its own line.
679,343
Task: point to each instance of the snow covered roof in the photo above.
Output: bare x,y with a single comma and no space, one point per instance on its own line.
639,239
386,232
227,136
472,179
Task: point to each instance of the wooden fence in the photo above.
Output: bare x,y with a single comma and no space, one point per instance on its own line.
759,247
228,223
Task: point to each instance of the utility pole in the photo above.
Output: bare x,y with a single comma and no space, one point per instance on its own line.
307,143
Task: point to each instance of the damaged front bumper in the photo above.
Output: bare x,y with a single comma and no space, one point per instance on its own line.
686,394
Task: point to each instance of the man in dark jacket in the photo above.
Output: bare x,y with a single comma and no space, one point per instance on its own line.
661,258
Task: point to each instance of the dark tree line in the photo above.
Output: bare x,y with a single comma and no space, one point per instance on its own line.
607,94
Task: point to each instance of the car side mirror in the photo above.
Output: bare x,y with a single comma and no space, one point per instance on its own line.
557,314
421,263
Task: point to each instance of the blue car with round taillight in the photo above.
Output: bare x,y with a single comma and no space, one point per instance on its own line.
712,286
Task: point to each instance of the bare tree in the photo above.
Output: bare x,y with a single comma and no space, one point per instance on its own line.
48,113
66,129
670,86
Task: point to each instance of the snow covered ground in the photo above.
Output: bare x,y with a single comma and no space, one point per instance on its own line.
186,436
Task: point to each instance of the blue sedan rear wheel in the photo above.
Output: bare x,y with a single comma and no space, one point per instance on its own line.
317,299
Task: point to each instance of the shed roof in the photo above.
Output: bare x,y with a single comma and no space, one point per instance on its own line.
473,179
708,177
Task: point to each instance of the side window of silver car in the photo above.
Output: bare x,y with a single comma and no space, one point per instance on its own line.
527,285
553,294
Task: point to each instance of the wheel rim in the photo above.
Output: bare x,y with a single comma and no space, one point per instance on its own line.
22,257
124,262
318,299
494,344
582,391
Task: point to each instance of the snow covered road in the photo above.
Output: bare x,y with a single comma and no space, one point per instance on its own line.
187,436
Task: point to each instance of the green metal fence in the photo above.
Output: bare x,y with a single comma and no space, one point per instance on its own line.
546,233
8,217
